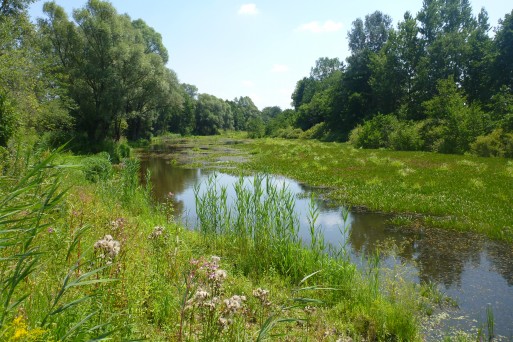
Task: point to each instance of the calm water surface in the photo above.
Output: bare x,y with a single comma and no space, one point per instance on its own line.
476,272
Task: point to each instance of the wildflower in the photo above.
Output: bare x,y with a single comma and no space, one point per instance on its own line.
118,223
51,230
108,247
309,310
233,304
211,304
157,232
224,322
220,275
262,295
215,259
20,328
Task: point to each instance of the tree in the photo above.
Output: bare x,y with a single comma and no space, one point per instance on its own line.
370,34
13,7
396,72
113,68
452,124
325,67
243,110
304,91
477,80
504,44
212,115
184,122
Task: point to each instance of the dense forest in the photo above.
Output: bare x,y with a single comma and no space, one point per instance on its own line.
440,81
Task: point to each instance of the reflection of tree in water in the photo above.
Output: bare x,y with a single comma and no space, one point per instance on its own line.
500,255
440,255
166,178
369,232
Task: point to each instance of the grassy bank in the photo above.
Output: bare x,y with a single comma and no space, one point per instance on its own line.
86,255
458,192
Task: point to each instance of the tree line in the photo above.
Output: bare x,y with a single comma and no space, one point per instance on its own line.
441,80
97,77
437,82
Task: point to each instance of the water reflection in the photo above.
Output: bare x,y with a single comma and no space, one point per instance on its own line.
473,270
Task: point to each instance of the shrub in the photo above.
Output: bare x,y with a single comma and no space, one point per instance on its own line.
97,167
496,144
406,137
288,133
318,131
374,133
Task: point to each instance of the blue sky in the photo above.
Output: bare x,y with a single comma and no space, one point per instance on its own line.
257,48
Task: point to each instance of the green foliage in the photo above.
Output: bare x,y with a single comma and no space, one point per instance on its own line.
8,120
244,111
97,168
406,136
118,77
319,131
212,115
288,132
256,128
453,123
439,70
374,133
496,144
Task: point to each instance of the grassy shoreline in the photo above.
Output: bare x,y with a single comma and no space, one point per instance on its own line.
104,261
466,193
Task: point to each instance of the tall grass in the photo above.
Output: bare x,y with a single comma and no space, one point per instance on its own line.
91,258
27,206
260,231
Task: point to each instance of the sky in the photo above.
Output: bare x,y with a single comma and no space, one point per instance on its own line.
257,48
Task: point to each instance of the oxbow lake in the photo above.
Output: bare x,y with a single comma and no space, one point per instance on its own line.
476,272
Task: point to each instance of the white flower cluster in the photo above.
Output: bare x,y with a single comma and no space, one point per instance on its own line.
233,304
117,224
262,295
158,231
201,299
107,247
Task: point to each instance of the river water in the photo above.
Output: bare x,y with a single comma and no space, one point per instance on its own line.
476,272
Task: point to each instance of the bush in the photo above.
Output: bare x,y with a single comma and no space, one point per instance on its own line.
496,144
288,133
318,131
374,133
116,150
406,137
97,167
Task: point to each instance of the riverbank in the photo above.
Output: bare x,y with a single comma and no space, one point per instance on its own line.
93,256
465,193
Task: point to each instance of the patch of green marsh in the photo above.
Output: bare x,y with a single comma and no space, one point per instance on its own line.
458,192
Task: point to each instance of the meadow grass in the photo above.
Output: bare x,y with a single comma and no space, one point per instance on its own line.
91,258
449,191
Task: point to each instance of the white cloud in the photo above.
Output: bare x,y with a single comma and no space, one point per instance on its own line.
248,9
280,68
248,84
318,27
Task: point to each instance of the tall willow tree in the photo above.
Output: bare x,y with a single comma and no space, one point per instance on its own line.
112,67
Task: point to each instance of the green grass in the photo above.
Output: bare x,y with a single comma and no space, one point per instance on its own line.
103,261
449,191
